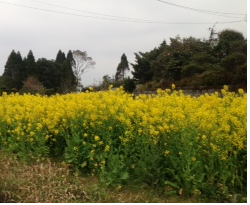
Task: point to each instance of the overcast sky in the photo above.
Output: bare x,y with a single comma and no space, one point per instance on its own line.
95,26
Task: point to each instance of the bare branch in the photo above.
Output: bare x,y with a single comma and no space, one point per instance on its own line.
81,63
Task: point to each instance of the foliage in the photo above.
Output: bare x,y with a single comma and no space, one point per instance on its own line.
30,65
60,58
129,85
14,71
56,76
122,68
190,57
191,146
142,68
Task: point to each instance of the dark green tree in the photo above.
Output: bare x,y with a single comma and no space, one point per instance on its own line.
70,56
68,79
219,60
122,68
30,65
60,57
227,39
143,71
49,75
200,63
14,72
129,85
232,52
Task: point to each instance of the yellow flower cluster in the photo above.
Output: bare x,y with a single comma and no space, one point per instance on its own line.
221,122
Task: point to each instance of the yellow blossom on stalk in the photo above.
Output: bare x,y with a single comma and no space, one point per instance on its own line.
39,125
167,152
56,132
46,137
204,137
225,87
173,86
241,91
97,138
107,148
32,134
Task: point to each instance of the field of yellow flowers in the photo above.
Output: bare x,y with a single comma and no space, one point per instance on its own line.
186,144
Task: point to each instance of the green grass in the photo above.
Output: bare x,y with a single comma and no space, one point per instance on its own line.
48,182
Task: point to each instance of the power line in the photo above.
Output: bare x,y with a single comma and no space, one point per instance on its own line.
100,14
133,19
113,19
216,13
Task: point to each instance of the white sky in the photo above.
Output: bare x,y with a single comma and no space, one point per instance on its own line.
43,32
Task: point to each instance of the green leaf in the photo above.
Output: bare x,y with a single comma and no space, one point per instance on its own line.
174,185
124,176
171,171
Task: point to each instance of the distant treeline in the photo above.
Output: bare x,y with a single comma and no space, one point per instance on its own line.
41,76
219,60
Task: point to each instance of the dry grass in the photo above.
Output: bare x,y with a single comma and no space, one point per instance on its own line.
48,182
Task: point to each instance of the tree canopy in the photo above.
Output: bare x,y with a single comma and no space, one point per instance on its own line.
42,76
192,61
122,68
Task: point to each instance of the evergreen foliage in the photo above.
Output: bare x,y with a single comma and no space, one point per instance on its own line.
30,65
42,76
122,68
14,72
217,61
220,60
60,58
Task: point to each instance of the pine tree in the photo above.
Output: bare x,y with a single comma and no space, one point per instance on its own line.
122,68
14,72
30,65
68,79
60,58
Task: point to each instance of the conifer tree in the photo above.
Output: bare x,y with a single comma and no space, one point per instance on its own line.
60,58
30,65
14,72
68,79
122,68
